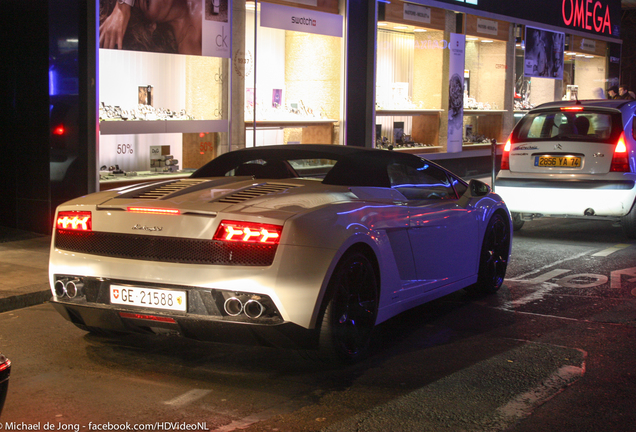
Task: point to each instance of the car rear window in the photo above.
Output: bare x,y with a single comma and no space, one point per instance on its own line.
583,125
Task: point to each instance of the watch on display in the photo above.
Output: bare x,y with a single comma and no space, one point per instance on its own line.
130,3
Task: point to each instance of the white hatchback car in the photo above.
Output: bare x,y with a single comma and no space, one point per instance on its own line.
572,159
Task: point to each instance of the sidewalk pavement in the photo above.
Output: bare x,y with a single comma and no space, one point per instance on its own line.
24,263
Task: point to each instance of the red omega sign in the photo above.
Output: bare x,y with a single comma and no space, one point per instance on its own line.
586,14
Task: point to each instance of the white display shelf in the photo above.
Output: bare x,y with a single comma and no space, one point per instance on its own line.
406,112
132,127
289,123
111,181
468,112
419,150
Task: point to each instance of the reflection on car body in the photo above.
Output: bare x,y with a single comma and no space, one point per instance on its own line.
300,246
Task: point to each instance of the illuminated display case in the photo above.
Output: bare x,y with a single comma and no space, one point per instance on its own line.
298,74
485,71
409,85
412,94
185,113
162,84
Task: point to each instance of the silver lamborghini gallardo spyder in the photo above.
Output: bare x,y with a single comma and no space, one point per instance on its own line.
296,246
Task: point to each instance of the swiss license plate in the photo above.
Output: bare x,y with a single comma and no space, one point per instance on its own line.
557,161
148,297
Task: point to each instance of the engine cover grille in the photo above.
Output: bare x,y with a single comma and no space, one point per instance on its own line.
255,192
165,249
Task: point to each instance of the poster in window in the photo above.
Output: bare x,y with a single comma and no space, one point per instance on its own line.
544,53
191,27
457,47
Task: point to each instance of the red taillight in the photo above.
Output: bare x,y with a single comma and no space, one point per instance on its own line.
149,210
620,161
147,317
74,221
572,108
5,365
59,130
248,232
505,157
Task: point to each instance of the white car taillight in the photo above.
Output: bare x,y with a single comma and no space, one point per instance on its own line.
248,232
74,221
505,157
620,161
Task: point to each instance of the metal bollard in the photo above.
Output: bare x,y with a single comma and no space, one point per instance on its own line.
493,156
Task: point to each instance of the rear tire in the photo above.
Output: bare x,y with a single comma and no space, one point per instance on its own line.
628,222
517,222
349,318
493,260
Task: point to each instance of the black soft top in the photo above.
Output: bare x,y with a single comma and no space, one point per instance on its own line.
355,166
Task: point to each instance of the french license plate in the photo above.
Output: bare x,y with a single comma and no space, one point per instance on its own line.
148,297
557,161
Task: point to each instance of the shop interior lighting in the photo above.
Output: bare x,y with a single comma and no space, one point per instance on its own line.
382,24
589,56
487,41
400,27
472,38
419,30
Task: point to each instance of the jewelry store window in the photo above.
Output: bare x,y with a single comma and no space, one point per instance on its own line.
485,70
163,109
585,71
546,69
293,95
409,78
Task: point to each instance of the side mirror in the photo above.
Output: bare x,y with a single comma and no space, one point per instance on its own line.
478,188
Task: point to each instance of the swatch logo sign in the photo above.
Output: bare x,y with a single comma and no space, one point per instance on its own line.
303,21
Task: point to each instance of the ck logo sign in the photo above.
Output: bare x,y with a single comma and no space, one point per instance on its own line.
221,39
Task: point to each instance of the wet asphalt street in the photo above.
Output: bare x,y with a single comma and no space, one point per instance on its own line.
552,350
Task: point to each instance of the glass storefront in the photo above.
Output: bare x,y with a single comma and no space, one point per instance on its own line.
168,101
409,78
585,73
501,81
294,93
163,92
263,73
413,93
485,74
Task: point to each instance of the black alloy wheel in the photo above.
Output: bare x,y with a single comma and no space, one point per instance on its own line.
628,223
493,260
517,222
349,318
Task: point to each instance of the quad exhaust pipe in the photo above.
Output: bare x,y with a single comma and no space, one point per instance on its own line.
252,308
